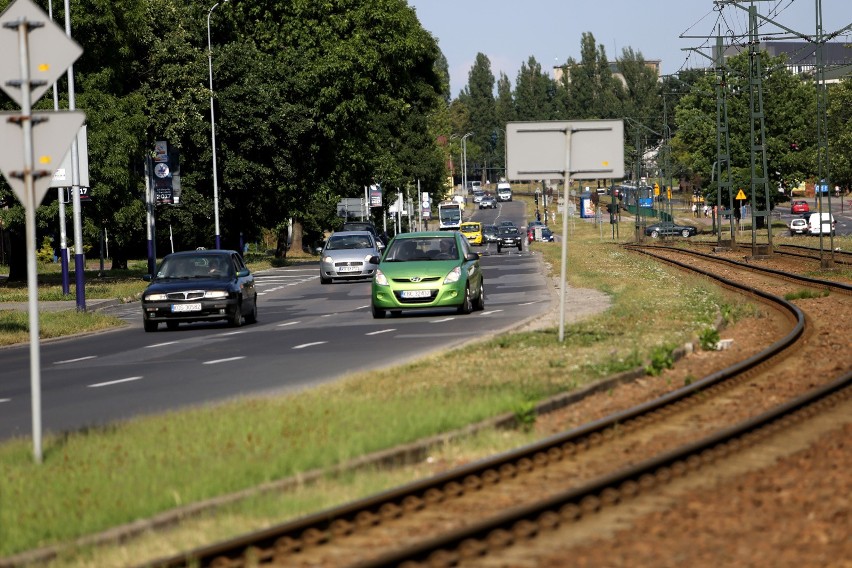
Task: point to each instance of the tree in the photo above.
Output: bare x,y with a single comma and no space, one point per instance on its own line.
840,133
534,93
479,97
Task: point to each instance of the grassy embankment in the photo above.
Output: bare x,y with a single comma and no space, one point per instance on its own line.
102,478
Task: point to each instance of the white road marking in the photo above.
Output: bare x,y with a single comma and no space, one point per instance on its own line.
528,303
109,383
215,361
363,307
303,345
74,360
288,323
5,400
164,344
230,333
488,313
381,331
442,320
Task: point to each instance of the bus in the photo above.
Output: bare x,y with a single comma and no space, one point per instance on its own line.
450,215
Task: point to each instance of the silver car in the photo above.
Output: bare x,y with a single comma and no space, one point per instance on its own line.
346,256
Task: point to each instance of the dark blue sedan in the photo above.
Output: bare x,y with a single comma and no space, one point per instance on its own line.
200,285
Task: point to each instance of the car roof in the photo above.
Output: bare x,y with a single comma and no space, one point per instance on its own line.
197,252
348,233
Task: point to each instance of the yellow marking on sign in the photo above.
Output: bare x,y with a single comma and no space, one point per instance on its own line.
44,67
44,159
605,163
740,195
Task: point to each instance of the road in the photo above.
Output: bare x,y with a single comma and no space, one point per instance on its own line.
307,334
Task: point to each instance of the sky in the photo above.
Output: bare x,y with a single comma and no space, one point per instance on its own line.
510,31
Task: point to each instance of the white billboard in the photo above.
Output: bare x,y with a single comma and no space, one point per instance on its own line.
539,150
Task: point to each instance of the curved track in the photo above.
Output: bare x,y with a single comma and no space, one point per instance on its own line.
480,509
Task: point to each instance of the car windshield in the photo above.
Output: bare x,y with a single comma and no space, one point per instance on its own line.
424,248
341,242
508,231
470,228
196,266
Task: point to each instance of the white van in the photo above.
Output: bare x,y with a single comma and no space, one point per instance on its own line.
821,223
504,191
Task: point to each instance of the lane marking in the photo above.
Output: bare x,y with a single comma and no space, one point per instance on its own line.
529,303
215,361
161,344
381,331
303,345
226,334
488,313
288,323
75,360
2,400
362,307
442,320
109,383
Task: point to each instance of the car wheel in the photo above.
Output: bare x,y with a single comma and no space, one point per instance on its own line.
520,247
150,325
684,233
172,325
378,313
655,234
480,300
324,280
235,319
467,305
251,317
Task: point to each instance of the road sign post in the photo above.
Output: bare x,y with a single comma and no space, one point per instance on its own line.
33,144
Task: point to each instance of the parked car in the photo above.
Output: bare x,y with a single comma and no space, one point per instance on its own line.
799,207
509,237
347,255
546,235
487,202
472,231
798,226
821,223
489,233
433,269
531,229
199,285
670,229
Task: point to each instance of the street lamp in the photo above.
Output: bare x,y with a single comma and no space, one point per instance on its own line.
213,130
464,162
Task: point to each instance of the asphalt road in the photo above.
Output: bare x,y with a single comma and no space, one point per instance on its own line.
307,334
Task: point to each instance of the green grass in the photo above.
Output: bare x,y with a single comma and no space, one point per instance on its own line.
92,480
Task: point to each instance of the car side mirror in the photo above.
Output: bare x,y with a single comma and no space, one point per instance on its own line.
243,273
472,256
147,277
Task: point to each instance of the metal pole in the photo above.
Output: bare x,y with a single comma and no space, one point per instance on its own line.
213,131
79,259
63,235
564,271
30,206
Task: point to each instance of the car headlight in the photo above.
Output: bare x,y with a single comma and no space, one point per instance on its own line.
328,259
155,297
453,276
381,279
215,294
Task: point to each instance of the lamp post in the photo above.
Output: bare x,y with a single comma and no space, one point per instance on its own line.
464,162
213,130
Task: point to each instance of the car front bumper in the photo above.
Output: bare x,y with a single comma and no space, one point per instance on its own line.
393,297
198,310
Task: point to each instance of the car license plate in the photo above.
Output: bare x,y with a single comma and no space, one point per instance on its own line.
415,293
186,307
349,269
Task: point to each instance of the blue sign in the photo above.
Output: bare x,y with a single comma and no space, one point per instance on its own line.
646,202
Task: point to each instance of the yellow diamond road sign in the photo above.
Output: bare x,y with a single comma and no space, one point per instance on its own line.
53,133
51,52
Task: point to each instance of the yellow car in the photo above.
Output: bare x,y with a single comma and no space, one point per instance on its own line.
473,232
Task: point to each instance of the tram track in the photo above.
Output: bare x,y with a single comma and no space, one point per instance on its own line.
421,518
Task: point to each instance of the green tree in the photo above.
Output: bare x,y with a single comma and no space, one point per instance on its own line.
840,133
534,93
479,97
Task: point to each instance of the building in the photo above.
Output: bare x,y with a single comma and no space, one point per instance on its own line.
801,56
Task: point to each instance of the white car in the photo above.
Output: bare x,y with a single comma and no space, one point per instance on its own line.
798,226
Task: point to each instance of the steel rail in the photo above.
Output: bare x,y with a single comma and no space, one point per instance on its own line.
319,528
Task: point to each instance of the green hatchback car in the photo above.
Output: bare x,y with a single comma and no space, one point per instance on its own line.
427,270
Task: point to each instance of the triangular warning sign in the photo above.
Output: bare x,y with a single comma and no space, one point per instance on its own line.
740,195
53,133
